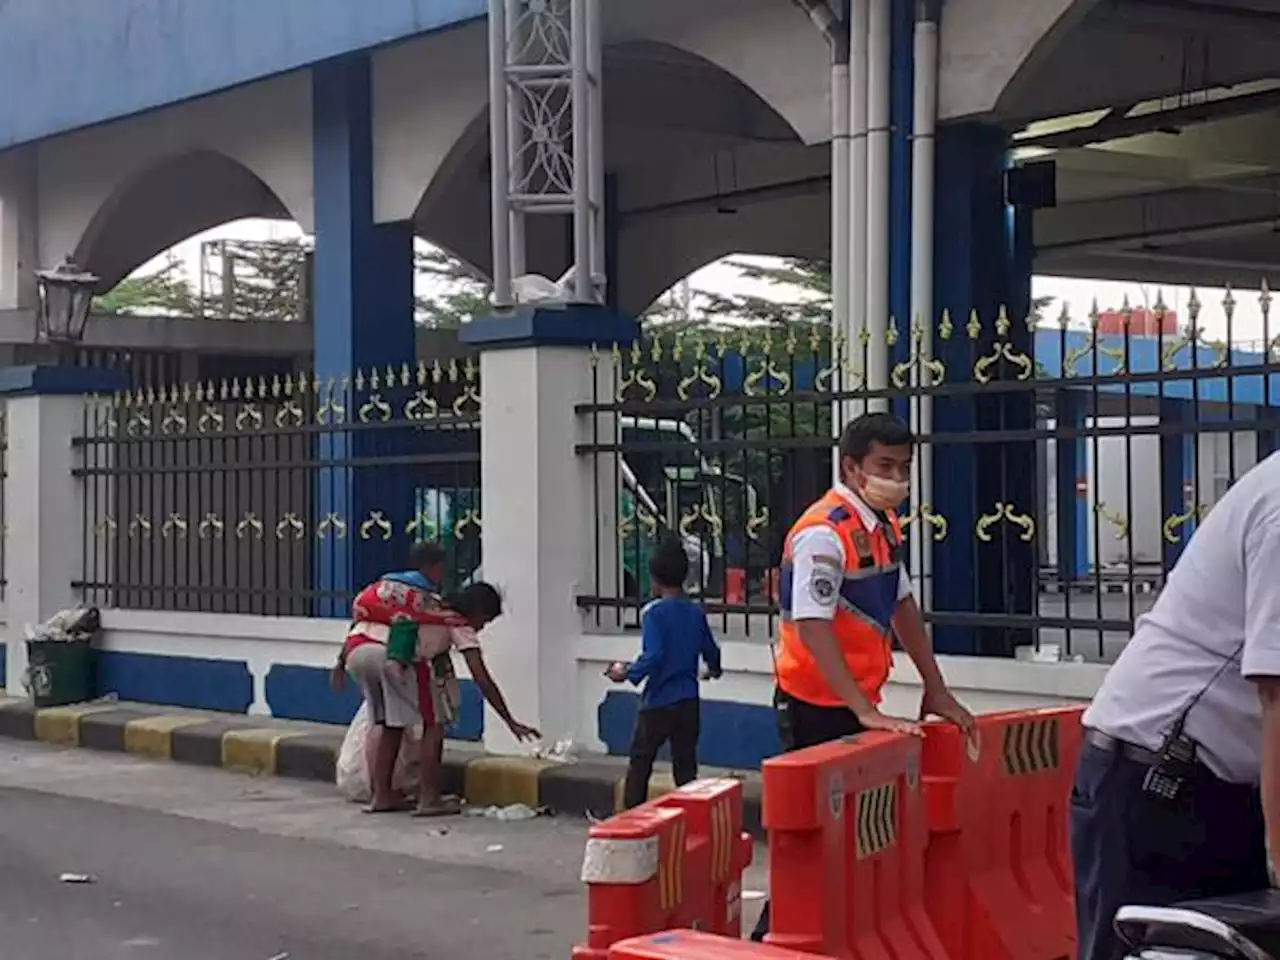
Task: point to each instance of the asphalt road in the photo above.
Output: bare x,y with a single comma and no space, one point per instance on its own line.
195,864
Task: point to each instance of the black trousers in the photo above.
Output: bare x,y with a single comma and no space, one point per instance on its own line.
678,724
1132,848
801,725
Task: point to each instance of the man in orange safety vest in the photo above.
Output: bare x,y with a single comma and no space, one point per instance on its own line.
844,595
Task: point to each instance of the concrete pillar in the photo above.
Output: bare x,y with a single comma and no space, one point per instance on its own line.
44,522
19,229
364,320
983,257
542,502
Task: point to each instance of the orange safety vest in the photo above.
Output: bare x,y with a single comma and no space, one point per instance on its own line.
864,611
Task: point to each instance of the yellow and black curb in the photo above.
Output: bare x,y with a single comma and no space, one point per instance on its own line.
268,747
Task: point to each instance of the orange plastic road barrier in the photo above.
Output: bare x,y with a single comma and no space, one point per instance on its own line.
676,861
713,882
694,945
998,860
847,831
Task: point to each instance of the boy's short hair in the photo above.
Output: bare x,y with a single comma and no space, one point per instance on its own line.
479,600
424,555
669,565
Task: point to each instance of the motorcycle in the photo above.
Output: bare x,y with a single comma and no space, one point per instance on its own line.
1244,927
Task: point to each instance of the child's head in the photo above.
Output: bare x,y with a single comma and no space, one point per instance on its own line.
669,567
428,559
480,604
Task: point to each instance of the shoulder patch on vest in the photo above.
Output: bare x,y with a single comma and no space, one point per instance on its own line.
824,587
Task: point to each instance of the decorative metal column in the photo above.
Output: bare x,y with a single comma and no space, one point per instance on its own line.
548,156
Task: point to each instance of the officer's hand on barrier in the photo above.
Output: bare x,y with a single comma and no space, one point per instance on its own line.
941,703
875,720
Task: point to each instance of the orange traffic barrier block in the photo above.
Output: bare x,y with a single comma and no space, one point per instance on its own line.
713,880
999,858
847,830
676,861
695,945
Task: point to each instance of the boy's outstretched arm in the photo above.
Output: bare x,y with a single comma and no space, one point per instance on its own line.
711,651
489,688
652,644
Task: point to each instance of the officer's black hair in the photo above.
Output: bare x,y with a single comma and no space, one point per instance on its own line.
669,565
871,428
479,603
423,556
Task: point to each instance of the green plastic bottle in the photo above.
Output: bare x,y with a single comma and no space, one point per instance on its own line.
402,641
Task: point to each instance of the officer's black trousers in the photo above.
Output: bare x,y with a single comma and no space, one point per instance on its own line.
1131,848
801,725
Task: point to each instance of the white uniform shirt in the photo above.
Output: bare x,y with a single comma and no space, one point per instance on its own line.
818,564
1219,611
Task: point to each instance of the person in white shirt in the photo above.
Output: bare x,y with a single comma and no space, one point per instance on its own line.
1178,787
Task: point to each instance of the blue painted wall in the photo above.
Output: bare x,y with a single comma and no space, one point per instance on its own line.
293,692
739,736
78,63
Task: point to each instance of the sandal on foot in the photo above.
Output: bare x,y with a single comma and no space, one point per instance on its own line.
442,809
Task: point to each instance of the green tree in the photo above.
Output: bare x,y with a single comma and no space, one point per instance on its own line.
459,295
803,287
258,280
165,291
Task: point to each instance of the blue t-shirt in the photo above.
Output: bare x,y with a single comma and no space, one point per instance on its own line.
675,636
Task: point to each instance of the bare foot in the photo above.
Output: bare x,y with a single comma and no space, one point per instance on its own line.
396,806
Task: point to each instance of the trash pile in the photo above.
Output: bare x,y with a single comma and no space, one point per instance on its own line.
68,626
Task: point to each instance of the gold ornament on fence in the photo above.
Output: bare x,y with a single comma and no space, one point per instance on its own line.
928,515
1114,518
628,524
1005,512
824,380
211,526
333,411
701,512
757,522
635,377
767,373
1172,527
174,523
291,523
105,527
701,374
250,524
331,523
1001,349
469,519
468,400
422,527
376,521
140,525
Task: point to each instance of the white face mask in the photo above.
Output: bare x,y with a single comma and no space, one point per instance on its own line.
881,493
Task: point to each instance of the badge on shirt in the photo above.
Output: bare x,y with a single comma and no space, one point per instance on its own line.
862,546
823,587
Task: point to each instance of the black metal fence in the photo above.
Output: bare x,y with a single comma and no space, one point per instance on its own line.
1062,464
280,494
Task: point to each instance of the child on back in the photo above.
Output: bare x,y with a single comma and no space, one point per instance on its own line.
675,636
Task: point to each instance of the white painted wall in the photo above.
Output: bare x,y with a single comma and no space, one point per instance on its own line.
984,685
266,127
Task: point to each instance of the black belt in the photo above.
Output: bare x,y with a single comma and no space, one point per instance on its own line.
1110,744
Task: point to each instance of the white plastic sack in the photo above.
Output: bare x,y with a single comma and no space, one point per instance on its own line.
358,748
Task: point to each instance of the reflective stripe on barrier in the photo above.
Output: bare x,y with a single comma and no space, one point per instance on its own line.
695,945
628,867
998,859
676,861
847,830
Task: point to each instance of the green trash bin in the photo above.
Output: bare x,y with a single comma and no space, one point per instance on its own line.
61,671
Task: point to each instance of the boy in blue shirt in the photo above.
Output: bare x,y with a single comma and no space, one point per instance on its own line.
675,636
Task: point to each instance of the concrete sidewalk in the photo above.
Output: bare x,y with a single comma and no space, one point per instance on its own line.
264,746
